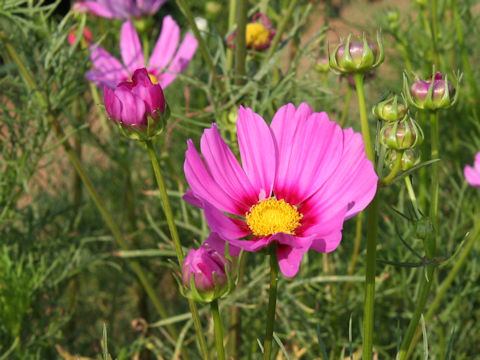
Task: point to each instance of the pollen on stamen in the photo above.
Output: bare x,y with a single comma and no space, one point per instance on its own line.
271,216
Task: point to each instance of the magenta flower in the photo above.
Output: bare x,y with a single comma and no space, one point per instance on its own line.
132,101
472,174
125,9
300,178
258,33
203,264
163,66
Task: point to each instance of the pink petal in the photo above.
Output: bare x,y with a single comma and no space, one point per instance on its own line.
166,44
192,199
130,47
94,7
108,70
227,228
133,108
252,245
472,176
476,163
310,148
226,170
290,250
257,150
203,184
216,242
327,243
181,60
112,104
354,182
150,6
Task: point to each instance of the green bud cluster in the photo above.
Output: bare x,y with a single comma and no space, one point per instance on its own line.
400,133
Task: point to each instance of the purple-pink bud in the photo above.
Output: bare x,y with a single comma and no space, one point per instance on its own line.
356,51
202,265
132,101
419,88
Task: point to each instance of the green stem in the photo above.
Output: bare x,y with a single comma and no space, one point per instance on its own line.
430,243
372,228
346,105
420,305
241,42
218,328
442,290
86,180
176,241
272,301
281,29
435,173
434,32
236,321
397,166
201,43
232,6
411,195
362,108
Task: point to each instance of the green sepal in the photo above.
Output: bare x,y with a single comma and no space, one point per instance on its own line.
154,127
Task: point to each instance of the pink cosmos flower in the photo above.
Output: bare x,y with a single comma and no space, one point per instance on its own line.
163,66
259,33
132,101
472,174
300,178
203,264
119,8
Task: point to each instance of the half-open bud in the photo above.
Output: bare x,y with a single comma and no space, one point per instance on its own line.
206,274
357,56
431,94
137,105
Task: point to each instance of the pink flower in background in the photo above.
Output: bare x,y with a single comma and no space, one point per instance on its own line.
72,36
259,33
119,8
472,174
132,101
300,178
166,61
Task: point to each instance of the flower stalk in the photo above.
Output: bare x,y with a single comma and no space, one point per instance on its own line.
218,328
176,241
241,42
272,301
372,228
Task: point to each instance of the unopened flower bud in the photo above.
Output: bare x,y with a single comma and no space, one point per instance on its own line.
322,65
433,94
137,105
357,56
401,135
390,109
410,158
421,3
212,9
206,273
393,17
86,36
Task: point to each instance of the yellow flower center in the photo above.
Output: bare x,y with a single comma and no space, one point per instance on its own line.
257,35
271,216
153,78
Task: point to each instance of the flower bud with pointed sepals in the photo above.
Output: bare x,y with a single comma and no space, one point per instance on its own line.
401,135
432,94
206,273
357,56
393,16
389,109
410,158
322,65
137,106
